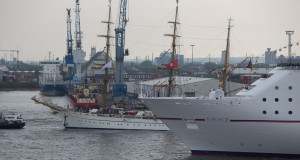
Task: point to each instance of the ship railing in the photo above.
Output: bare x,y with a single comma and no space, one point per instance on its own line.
288,66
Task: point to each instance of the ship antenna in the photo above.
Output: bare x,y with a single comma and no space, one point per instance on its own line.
224,79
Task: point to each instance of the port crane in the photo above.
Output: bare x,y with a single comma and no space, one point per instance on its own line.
120,89
78,53
69,57
12,52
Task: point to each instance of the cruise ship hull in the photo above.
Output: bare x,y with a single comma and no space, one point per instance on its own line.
205,127
92,121
262,121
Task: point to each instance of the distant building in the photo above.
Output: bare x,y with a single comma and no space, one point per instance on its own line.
93,51
223,57
165,58
281,59
2,70
270,56
99,58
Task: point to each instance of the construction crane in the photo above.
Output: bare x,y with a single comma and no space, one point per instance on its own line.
69,57
78,53
120,89
13,51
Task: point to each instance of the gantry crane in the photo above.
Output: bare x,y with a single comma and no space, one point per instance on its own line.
120,89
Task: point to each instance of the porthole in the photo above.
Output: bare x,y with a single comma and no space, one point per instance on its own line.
264,112
276,99
264,99
276,112
290,99
290,112
290,87
276,87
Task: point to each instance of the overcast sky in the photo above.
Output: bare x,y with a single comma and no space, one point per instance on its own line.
39,26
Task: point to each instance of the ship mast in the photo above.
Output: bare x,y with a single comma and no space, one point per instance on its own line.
226,58
106,57
173,48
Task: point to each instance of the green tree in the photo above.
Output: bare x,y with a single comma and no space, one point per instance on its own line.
208,66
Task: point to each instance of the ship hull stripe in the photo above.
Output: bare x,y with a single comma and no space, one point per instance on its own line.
265,121
254,121
204,152
178,119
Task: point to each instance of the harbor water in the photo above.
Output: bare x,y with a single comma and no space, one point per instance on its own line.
44,137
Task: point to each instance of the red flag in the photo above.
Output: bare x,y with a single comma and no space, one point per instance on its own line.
173,64
297,43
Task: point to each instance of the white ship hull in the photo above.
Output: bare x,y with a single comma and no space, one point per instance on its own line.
239,125
92,121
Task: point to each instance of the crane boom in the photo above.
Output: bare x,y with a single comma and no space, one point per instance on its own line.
69,56
120,89
77,27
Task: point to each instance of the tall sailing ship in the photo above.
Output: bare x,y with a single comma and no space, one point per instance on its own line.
86,115
262,120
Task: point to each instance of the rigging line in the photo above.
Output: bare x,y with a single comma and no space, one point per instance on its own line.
144,25
150,44
208,44
165,53
142,36
202,26
202,38
233,33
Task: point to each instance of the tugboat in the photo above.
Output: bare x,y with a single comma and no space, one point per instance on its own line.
11,121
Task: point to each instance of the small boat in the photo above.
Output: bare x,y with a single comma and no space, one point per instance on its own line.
11,121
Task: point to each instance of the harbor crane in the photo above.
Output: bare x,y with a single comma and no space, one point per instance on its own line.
120,89
69,57
77,26
78,53
13,51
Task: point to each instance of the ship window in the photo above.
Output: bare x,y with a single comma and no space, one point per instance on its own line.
276,99
276,87
276,112
264,99
290,87
290,112
264,112
290,99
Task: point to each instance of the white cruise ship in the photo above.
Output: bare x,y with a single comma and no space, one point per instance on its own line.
263,120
